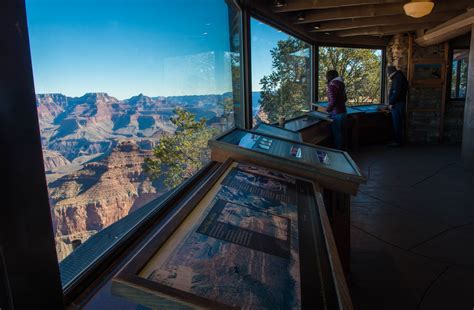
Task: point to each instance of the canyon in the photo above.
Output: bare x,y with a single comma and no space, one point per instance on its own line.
94,147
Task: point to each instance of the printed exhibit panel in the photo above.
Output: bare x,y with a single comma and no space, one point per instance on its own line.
254,241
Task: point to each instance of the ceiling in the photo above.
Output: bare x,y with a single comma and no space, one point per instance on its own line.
367,22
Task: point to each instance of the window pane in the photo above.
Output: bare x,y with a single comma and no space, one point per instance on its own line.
128,93
459,73
454,79
360,68
281,74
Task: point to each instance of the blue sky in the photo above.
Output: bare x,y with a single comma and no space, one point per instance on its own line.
263,39
126,47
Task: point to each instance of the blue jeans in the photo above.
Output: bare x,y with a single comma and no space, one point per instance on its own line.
337,128
398,122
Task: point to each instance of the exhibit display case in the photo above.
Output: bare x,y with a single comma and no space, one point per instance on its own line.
314,127
322,105
366,124
332,168
249,237
276,131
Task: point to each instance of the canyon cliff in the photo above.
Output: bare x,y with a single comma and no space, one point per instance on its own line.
94,148
99,194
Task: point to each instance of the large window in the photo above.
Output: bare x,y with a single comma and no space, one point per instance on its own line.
459,73
281,74
128,93
360,68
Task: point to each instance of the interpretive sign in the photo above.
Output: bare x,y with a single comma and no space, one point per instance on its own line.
331,168
254,240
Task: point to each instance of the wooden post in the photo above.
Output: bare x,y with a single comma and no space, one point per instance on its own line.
29,272
445,87
410,85
468,129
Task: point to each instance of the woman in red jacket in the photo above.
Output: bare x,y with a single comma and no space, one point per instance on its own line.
336,91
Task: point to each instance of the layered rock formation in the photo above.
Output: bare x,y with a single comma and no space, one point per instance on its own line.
91,124
53,160
99,194
94,150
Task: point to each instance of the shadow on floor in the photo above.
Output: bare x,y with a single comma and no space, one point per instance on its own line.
413,230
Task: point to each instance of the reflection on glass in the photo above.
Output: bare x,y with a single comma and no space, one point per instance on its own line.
290,150
360,68
128,92
281,74
459,73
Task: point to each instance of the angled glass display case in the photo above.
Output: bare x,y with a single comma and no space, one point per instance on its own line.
322,105
276,131
248,238
331,168
314,126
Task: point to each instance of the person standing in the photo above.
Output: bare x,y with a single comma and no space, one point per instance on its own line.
397,103
336,92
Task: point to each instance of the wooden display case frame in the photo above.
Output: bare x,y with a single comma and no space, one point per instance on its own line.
318,131
316,121
326,177
296,134
127,283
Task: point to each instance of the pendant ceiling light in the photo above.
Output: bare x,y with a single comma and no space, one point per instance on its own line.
418,8
279,3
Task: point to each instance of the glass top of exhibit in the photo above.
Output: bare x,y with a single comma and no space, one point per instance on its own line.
315,156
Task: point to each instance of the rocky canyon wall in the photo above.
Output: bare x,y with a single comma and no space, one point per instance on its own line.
99,194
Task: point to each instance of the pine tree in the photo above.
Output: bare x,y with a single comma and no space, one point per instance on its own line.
360,68
286,91
178,156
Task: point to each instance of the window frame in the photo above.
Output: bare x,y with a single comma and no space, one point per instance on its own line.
450,70
95,274
28,262
243,118
383,77
98,272
252,13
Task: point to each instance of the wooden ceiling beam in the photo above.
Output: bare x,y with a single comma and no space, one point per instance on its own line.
356,41
261,11
373,10
383,21
298,5
383,30
460,25
369,10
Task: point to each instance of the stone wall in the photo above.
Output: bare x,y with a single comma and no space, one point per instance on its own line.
424,103
397,52
423,127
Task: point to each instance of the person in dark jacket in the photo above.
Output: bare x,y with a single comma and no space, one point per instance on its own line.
336,92
397,103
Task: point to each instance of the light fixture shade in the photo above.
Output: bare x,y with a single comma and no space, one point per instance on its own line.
418,8
279,3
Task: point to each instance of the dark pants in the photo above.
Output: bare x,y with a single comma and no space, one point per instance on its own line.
337,128
398,122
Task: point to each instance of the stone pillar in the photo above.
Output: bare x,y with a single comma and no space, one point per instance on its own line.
468,129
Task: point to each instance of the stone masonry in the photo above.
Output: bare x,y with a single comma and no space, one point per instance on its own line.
424,103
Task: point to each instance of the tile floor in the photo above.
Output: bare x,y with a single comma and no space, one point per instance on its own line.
413,230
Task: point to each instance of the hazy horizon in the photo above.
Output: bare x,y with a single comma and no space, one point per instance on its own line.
111,95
